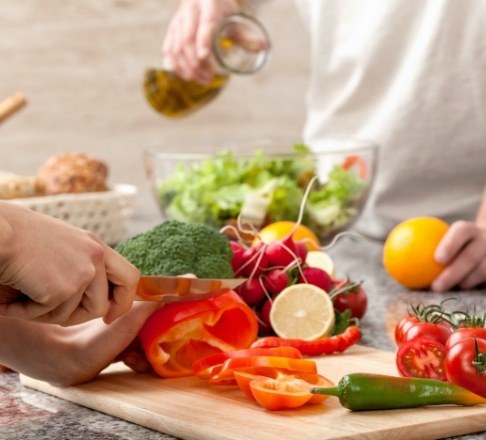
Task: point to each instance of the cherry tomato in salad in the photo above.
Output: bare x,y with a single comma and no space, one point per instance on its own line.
431,330
356,162
423,358
353,298
465,365
465,332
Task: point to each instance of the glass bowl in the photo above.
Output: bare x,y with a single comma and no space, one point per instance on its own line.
259,182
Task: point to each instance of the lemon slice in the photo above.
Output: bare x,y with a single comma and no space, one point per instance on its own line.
302,311
321,260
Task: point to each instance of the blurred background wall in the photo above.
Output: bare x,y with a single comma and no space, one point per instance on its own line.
80,64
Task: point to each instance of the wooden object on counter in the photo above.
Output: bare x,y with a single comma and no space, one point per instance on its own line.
190,408
11,105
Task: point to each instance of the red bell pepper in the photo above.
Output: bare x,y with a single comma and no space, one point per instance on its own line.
178,334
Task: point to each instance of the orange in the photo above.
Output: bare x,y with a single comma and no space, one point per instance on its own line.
281,229
408,252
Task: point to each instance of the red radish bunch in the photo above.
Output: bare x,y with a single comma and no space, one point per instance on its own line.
270,268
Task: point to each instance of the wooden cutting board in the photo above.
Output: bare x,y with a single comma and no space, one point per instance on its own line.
190,408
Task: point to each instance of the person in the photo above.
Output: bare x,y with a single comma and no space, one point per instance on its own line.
65,356
408,74
64,275
67,275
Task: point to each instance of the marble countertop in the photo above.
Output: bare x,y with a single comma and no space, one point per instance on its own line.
26,414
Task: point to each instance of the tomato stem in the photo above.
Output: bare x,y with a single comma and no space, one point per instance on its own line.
479,361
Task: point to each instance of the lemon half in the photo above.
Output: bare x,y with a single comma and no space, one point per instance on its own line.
302,311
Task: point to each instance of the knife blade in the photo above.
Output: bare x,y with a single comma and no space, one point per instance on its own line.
183,288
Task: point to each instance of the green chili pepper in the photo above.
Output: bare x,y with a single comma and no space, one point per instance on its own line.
361,392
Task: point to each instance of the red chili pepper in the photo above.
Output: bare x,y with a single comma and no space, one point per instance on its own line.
328,345
178,334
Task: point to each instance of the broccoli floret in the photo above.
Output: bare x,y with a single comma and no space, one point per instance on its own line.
175,248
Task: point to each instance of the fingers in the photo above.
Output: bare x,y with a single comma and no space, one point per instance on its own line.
187,44
456,237
94,298
475,278
124,277
54,309
84,295
179,45
464,249
137,361
95,345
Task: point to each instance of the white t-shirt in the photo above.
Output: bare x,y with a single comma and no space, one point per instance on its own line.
410,75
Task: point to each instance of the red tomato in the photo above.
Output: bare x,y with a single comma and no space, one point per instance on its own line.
459,365
465,332
356,300
402,327
429,330
354,161
423,358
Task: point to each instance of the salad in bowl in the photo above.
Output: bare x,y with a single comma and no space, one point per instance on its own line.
265,185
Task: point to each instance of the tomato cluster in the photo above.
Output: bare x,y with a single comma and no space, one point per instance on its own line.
434,343
272,267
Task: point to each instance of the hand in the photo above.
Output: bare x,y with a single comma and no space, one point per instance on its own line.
66,356
65,271
187,44
463,247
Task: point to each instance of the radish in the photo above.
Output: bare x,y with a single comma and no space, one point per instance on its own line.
251,291
238,259
317,277
263,317
254,261
301,250
275,280
281,252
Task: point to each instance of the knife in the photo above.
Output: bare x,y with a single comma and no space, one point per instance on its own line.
159,288
183,288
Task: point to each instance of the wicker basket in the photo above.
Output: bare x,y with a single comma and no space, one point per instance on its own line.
105,214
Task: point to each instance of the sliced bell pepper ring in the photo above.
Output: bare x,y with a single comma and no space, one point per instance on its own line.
178,334
306,380
275,395
223,374
203,367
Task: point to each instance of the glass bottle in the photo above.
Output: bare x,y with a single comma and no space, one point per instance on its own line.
240,45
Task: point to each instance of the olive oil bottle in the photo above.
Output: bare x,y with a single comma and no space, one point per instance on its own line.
240,45
173,96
